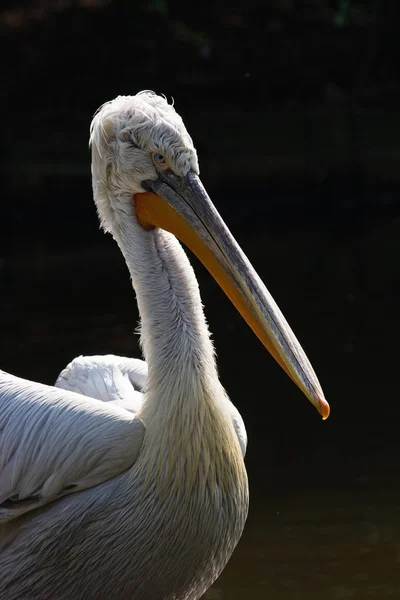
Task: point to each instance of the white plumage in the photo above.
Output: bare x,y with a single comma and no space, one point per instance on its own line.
53,443
121,381
115,379
126,479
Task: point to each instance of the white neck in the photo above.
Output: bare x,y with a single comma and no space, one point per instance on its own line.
174,334
185,407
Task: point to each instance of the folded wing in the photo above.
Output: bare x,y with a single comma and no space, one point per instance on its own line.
55,442
108,378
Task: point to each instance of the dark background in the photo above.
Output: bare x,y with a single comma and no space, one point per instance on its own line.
293,107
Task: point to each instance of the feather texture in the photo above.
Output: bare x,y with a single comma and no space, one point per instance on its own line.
54,442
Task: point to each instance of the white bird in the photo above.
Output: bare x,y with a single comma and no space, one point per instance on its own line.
122,495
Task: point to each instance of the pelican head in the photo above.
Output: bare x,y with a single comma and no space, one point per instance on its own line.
145,169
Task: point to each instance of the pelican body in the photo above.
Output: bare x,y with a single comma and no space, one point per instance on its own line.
126,479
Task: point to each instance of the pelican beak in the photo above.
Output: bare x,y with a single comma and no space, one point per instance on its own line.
182,206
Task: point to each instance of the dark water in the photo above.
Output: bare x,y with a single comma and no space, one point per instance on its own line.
343,544
325,496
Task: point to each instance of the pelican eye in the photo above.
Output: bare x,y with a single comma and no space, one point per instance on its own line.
159,159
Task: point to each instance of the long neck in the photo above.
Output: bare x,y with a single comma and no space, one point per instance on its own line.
185,408
174,334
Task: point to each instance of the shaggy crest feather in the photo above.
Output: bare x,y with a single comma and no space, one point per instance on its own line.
124,134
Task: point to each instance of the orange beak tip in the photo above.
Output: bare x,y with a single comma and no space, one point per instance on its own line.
324,409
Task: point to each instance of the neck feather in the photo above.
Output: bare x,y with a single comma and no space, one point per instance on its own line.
174,334
185,408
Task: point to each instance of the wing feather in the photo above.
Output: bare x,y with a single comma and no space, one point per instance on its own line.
108,378
54,441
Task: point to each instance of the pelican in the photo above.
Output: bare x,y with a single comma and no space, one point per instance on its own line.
126,480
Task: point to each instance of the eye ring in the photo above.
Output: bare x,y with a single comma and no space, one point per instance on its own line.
159,158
